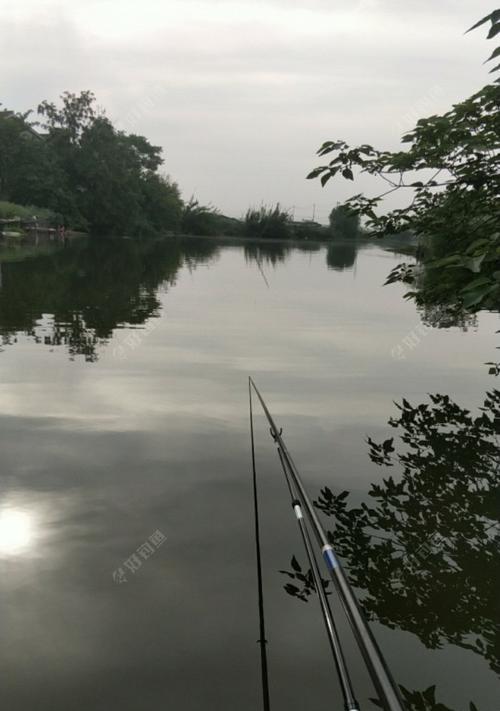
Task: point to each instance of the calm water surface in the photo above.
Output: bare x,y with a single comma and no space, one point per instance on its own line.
126,531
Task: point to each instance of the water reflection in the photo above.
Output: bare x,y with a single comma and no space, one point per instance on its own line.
16,531
271,253
342,255
90,288
426,700
447,316
306,246
196,251
425,552
76,294
102,456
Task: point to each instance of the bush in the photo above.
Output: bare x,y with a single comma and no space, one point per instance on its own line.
201,220
308,229
10,210
268,222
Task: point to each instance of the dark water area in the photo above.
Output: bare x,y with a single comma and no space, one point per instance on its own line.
126,532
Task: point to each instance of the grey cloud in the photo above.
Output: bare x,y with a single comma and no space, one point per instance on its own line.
241,109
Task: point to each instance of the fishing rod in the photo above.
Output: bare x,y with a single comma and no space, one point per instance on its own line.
350,703
262,627
376,665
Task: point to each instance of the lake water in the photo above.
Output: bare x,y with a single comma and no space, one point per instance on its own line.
126,532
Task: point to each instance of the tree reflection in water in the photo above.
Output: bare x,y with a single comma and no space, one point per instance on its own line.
90,288
342,255
270,253
424,701
447,316
423,552
339,255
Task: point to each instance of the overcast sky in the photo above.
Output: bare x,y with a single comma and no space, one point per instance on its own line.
240,93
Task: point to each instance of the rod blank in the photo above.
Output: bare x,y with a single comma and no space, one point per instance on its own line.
350,702
381,677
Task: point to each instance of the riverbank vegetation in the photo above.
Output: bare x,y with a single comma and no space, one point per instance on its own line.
11,211
72,167
277,223
84,173
435,514
75,163
450,173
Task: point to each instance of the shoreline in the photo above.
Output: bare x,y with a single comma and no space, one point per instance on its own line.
410,244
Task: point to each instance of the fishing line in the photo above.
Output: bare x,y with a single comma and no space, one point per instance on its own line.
262,641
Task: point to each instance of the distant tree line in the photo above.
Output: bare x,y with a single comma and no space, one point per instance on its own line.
79,170
91,175
73,167
276,223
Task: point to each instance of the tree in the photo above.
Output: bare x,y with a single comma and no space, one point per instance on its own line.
149,157
11,128
77,113
107,179
111,178
344,223
161,204
454,208
28,174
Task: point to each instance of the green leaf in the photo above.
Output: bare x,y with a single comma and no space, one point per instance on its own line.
325,178
495,53
494,30
481,281
446,261
492,17
473,298
330,146
347,173
474,263
481,242
430,695
314,173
